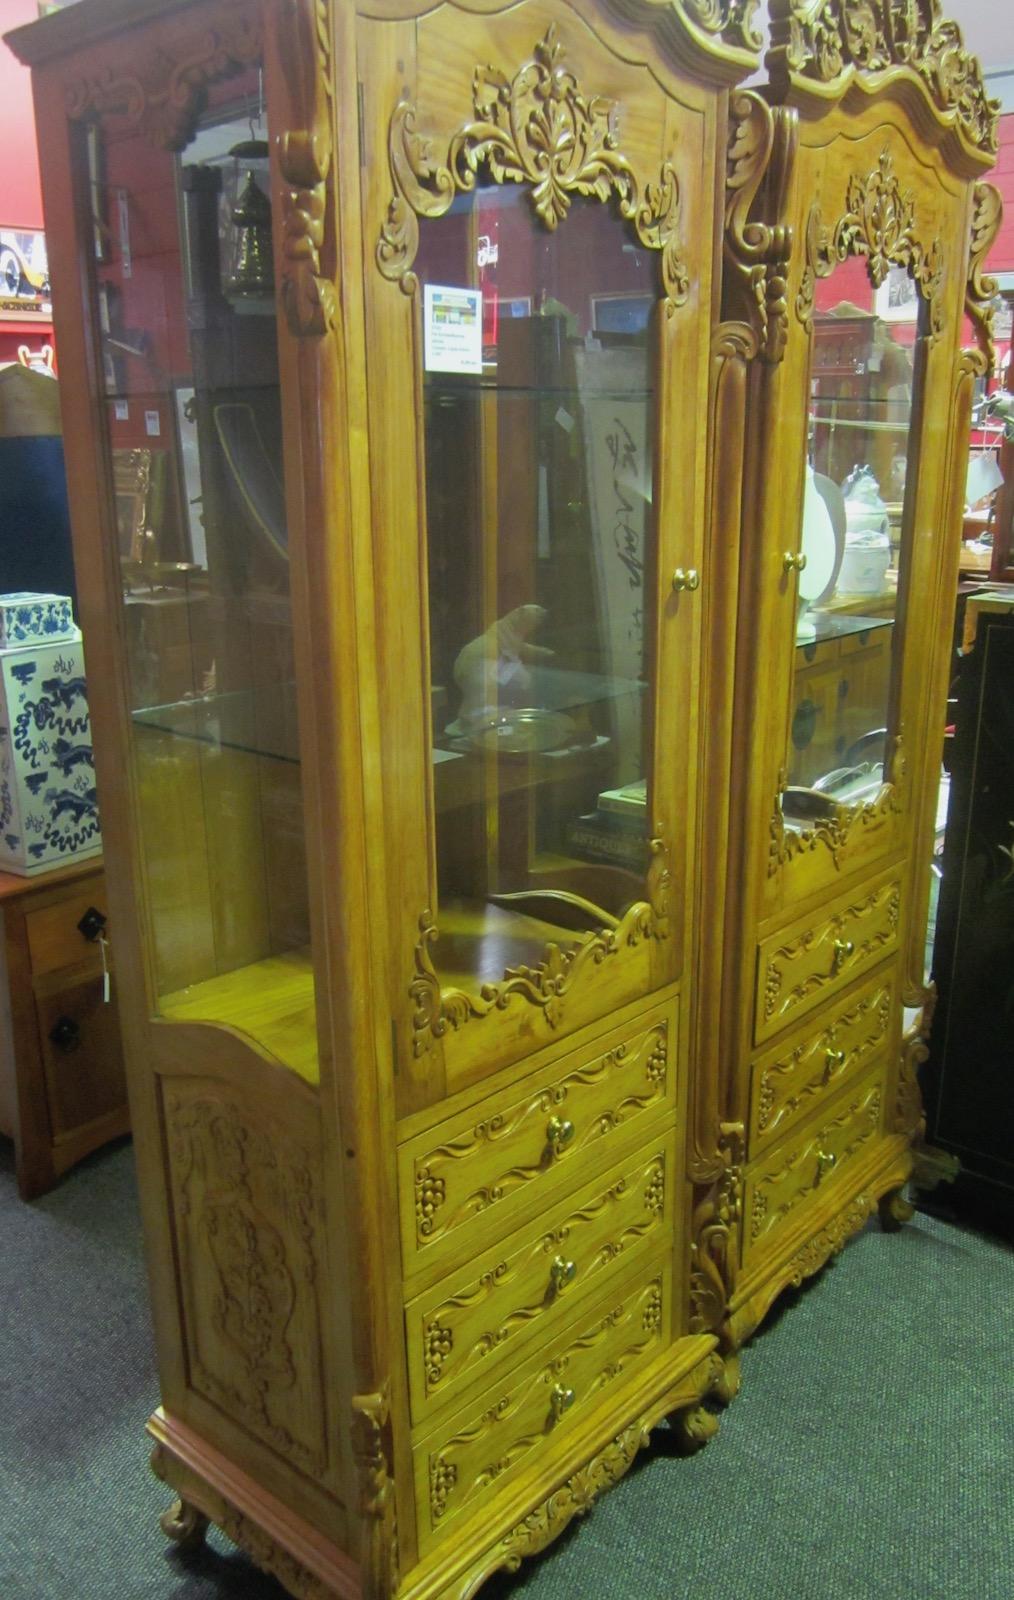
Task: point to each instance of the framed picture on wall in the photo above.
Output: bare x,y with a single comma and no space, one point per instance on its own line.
621,313
897,299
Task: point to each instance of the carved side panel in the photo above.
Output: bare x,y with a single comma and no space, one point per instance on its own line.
246,1215
371,1448
714,1233
981,290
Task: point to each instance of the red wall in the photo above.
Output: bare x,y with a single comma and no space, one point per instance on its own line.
1001,257
20,191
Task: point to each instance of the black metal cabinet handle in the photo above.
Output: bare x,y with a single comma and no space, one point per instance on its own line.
65,1034
92,923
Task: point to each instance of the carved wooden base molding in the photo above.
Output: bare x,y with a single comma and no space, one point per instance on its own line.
595,1461
210,1489
803,1254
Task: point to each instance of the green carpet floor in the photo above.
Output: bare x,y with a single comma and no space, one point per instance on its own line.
869,1456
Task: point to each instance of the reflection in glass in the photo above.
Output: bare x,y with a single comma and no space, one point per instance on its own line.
856,479
538,425
186,312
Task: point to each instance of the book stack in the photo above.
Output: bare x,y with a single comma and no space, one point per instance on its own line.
615,832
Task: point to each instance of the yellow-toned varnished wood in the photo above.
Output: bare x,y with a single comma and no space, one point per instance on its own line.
275,1095
807,963
489,1311
541,1401
789,1177
270,1000
509,1153
788,1080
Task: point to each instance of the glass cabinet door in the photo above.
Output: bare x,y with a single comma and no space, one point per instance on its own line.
538,396
853,556
184,304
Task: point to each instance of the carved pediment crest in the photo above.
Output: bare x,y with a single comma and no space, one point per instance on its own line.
537,129
878,223
822,40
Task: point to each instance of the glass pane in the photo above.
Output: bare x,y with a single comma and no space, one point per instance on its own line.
185,303
847,642
538,395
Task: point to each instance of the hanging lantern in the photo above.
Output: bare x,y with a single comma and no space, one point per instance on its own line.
251,278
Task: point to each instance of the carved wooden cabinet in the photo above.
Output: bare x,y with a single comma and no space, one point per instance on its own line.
883,135
505,1024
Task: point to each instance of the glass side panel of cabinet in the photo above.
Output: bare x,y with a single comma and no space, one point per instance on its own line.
185,306
538,383
847,643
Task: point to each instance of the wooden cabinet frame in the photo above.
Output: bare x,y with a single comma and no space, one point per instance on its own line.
442,1135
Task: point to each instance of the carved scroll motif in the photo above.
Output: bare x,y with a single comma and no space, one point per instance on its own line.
715,1225
731,20
823,40
762,148
165,97
545,985
371,1447
304,156
535,129
835,833
981,290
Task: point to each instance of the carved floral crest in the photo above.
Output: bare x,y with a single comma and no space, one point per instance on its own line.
879,223
821,40
545,985
537,129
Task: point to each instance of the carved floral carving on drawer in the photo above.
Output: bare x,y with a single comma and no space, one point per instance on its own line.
787,1183
458,1331
460,1468
799,971
536,1134
787,1083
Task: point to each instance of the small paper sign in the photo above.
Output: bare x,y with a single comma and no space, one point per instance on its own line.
122,410
152,425
452,327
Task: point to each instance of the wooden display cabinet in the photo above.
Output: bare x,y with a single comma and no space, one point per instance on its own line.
831,836
440,718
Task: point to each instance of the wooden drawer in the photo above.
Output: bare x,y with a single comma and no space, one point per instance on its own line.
778,1189
499,1435
518,1149
495,1307
83,1064
786,1081
54,938
812,962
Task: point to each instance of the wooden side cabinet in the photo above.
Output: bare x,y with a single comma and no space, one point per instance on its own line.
62,1087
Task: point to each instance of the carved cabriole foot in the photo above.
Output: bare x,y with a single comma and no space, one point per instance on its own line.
894,1210
184,1525
727,1387
693,1428
933,1167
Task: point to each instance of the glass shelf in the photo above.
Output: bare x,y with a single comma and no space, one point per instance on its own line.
257,723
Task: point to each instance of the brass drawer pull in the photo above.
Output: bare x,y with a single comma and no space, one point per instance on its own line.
688,579
826,1162
560,1400
843,948
793,563
559,1133
834,1060
561,1273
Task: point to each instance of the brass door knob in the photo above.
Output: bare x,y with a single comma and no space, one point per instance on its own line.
559,1133
560,1400
843,948
793,563
561,1273
682,579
